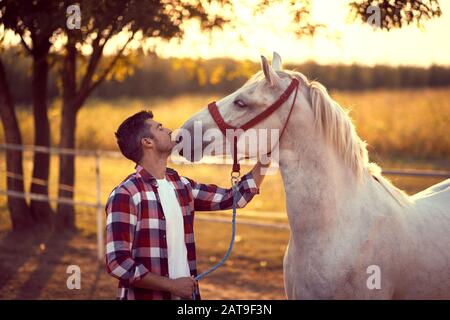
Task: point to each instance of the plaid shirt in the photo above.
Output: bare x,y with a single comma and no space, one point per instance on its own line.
136,227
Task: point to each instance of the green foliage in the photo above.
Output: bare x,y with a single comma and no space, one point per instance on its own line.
35,19
396,13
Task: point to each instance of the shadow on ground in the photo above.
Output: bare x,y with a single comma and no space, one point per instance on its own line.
34,266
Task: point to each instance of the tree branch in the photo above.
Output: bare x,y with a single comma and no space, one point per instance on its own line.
25,45
105,73
112,64
95,59
97,51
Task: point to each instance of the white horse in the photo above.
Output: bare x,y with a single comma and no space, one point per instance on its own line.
353,234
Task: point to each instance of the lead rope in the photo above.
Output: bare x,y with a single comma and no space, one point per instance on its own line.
234,184
234,181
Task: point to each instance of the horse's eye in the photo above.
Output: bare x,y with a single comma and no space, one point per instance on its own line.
239,103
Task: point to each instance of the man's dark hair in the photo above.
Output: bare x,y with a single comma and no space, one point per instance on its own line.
130,133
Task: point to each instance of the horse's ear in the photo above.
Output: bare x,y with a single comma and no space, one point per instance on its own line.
269,73
276,62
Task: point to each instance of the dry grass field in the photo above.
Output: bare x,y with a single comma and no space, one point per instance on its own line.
396,123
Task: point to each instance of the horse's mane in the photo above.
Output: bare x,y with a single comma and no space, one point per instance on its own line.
334,122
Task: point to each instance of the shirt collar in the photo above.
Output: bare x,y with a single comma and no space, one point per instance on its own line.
147,176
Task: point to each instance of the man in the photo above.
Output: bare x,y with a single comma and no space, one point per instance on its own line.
150,243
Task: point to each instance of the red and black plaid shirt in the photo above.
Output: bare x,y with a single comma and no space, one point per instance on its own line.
136,227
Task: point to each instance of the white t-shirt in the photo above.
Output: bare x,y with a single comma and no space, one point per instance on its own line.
176,247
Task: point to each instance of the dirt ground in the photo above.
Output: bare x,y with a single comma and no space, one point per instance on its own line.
33,266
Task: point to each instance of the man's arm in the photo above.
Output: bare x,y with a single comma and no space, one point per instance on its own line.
210,197
121,219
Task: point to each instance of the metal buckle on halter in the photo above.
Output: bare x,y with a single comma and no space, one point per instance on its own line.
234,176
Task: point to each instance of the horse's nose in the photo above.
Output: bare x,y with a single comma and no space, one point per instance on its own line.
178,139
185,141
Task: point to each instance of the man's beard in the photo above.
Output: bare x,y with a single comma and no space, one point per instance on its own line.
163,148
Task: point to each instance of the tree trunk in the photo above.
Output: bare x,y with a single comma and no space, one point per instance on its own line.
66,212
18,208
41,210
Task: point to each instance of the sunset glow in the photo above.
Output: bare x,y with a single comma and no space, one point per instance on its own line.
342,42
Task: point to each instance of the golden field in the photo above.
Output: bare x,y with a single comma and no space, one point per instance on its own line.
401,123
404,128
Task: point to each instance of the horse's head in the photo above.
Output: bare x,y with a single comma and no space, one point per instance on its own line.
201,134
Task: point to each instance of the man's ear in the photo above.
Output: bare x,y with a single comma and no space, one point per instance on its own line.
147,142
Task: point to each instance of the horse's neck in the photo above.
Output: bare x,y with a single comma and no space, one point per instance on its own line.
319,186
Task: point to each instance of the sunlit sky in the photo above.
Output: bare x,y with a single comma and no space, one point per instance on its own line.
342,42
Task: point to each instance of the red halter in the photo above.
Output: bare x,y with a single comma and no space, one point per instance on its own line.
223,126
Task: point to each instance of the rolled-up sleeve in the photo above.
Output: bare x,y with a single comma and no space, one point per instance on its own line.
121,219
210,197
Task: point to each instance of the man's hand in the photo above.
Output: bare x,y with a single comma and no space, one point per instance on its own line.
180,287
257,173
183,287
